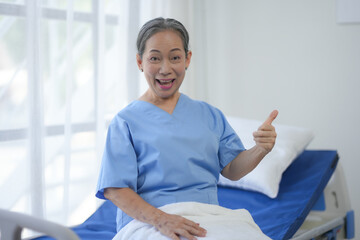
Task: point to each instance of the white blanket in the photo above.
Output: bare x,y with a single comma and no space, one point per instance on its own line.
220,223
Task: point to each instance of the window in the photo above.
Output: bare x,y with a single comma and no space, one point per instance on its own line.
64,67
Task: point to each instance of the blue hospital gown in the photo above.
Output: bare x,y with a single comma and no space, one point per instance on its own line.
167,158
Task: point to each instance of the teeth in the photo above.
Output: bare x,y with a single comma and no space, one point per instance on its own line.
166,81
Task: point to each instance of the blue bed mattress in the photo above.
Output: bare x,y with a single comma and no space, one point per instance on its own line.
301,186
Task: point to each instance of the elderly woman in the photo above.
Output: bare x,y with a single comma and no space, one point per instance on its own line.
165,147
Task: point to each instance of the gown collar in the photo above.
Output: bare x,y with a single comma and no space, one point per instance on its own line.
157,109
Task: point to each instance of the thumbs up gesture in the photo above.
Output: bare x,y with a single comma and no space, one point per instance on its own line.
265,136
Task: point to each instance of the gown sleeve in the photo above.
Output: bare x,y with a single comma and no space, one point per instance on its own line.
230,144
119,162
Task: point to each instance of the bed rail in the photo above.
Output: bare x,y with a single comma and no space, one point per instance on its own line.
12,224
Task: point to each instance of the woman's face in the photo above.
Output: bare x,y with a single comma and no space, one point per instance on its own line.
164,63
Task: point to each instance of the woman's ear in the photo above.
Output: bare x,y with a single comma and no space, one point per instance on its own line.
139,62
188,59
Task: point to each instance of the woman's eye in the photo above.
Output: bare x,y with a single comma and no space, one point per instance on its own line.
154,59
176,58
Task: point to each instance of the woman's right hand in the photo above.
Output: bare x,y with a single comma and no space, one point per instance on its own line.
174,226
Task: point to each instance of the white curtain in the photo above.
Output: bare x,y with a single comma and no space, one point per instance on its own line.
66,68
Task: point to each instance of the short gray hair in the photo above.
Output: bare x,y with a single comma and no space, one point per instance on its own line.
157,25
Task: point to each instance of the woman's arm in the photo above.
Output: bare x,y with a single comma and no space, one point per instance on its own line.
247,160
170,225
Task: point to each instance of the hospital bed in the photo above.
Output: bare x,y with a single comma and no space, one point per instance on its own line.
312,203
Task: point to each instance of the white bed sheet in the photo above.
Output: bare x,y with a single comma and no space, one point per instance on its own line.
220,223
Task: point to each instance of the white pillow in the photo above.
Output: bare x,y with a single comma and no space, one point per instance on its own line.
266,177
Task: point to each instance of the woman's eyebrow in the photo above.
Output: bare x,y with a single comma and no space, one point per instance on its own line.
154,50
172,50
175,49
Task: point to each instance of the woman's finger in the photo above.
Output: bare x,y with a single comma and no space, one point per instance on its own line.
184,233
174,226
265,134
196,230
271,118
264,140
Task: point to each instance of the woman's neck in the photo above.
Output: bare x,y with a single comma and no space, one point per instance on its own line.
166,104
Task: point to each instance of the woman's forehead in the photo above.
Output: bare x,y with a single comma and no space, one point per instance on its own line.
164,40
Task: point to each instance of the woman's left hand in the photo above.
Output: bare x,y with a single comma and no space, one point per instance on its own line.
265,136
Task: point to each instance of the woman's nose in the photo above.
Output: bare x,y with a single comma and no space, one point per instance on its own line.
165,68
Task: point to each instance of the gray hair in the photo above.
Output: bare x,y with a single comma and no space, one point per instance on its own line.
157,25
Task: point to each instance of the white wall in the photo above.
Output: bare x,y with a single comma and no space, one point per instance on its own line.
292,56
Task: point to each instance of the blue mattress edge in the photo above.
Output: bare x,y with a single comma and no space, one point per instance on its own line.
325,179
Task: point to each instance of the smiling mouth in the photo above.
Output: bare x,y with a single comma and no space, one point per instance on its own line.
165,83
